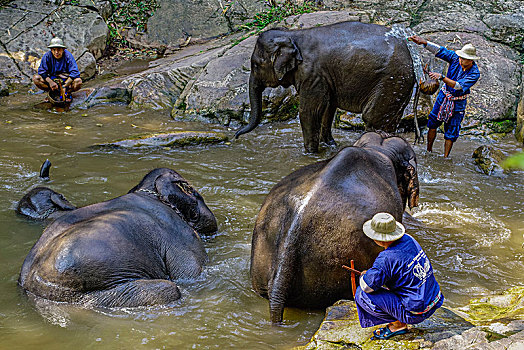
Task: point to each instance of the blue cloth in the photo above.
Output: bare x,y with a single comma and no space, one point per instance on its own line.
384,306
51,67
406,271
451,128
466,79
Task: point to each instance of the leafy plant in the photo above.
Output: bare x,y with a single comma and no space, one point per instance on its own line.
129,14
277,13
515,161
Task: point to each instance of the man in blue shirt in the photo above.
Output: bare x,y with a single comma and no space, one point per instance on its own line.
450,106
400,288
58,63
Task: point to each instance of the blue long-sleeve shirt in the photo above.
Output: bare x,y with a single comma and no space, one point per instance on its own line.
466,78
51,67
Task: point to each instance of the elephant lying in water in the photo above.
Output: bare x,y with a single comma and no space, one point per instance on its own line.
124,252
310,224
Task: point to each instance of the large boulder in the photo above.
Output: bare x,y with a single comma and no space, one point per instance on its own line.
27,26
494,322
519,130
177,20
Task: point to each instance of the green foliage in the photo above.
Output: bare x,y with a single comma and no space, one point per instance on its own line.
277,13
515,161
131,14
503,126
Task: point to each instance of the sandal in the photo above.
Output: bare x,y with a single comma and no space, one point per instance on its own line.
385,333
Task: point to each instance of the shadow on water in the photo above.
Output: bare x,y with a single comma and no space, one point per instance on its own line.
469,224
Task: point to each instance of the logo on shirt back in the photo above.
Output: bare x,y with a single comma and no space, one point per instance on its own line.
421,272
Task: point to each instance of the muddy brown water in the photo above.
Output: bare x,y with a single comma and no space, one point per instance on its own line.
473,225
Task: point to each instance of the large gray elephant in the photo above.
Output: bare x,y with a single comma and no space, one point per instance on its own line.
359,67
124,252
310,224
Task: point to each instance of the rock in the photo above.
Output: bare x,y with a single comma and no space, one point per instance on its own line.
28,26
199,19
519,130
341,329
4,89
488,160
509,305
173,139
86,63
349,121
494,323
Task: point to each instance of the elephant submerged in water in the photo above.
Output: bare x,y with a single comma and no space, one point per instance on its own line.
310,224
358,67
124,252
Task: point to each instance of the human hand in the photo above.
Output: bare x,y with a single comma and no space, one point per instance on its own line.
362,272
436,76
53,85
418,40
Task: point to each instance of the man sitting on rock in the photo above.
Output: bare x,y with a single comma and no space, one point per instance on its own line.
58,63
400,287
451,101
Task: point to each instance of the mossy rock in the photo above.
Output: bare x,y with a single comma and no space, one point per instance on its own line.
488,159
174,139
509,305
503,126
349,121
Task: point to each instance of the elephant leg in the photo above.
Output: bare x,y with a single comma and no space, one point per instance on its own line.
327,122
384,109
135,293
313,105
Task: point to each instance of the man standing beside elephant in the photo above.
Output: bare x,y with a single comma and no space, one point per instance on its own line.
451,101
400,287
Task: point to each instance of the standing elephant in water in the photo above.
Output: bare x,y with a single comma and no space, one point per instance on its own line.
310,224
124,252
359,67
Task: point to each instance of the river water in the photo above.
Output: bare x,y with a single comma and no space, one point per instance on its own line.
472,225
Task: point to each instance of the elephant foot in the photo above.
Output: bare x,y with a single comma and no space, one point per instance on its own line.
135,293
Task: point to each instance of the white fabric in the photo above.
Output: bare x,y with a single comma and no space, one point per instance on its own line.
457,86
432,47
364,286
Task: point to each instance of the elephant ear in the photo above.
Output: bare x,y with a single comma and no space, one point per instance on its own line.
61,202
286,56
178,193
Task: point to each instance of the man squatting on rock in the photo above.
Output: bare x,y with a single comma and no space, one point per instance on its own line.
400,287
58,63
451,101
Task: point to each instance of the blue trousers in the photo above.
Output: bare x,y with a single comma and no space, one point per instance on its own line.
383,306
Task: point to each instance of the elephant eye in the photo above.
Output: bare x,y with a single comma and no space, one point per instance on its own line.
193,215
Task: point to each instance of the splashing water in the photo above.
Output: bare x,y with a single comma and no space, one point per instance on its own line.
470,222
399,31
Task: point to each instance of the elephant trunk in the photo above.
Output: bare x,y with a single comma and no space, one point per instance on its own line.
255,100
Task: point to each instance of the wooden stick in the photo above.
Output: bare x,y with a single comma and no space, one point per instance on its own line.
353,281
352,270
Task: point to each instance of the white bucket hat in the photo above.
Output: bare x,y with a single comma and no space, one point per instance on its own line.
468,51
383,227
56,42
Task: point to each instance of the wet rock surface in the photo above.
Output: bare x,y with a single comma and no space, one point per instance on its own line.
488,160
173,139
494,322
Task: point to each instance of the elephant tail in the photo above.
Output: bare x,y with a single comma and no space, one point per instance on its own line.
284,268
418,134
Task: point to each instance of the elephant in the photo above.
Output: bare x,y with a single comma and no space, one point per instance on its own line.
42,203
124,252
310,223
359,67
